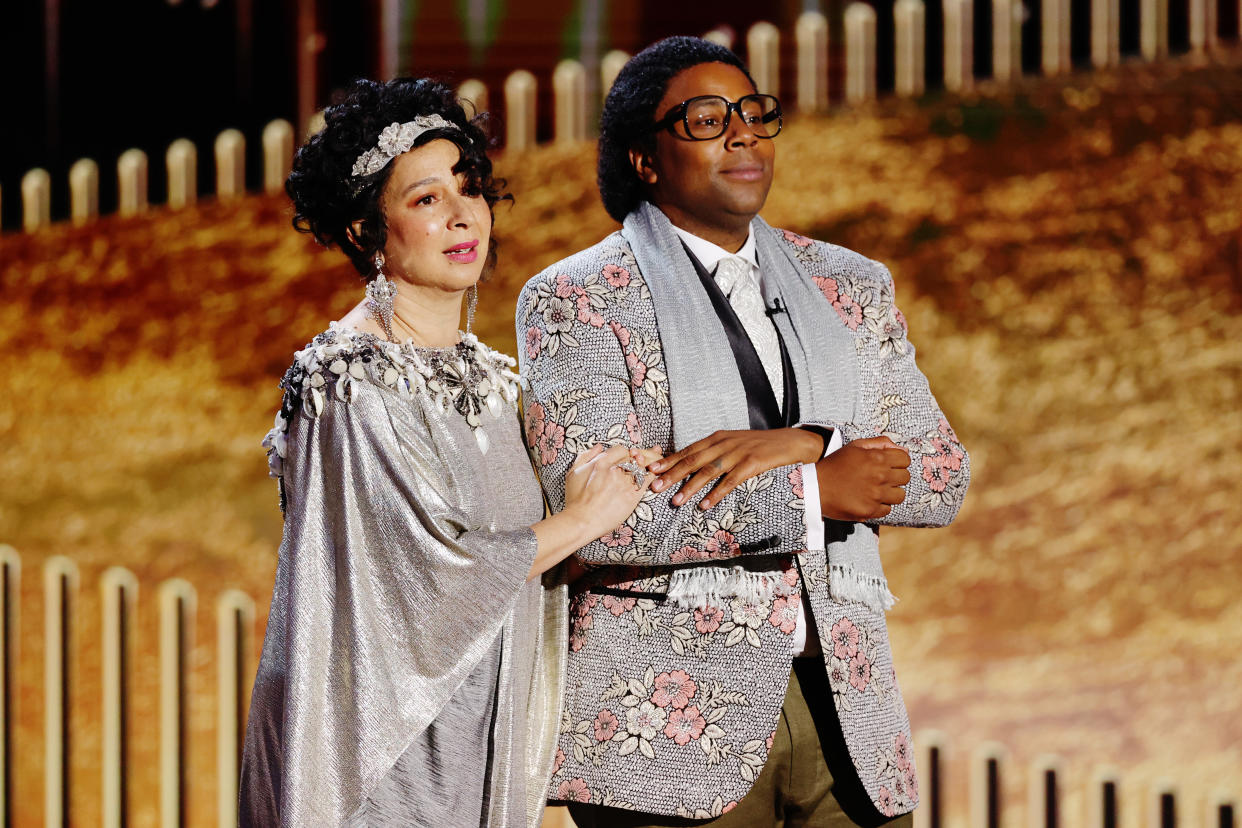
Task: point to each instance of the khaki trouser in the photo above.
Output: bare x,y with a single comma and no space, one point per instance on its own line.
797,787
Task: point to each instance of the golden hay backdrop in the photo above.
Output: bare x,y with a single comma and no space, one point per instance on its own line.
1069,256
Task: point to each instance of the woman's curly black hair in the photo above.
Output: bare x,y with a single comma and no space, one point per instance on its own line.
630,109
328,199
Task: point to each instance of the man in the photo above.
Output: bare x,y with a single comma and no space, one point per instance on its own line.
728,653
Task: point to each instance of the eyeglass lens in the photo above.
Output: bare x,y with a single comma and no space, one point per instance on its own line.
706,116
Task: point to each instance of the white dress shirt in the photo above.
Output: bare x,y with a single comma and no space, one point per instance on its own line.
709,255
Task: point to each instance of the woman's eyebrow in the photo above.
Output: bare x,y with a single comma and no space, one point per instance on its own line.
418,184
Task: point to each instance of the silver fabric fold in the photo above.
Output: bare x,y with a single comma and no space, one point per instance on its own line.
401,581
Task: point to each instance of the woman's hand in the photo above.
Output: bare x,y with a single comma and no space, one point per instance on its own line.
600,493
735,455
599,496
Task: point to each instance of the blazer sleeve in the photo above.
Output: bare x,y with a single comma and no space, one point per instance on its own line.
900,405
583,372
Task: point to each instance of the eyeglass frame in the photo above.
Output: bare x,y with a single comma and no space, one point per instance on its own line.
681,113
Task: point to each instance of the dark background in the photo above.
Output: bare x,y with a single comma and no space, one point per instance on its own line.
141,74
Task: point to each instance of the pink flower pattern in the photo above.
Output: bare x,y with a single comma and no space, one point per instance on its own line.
688,554
619,606
785,613
722,544
638,370
844,639
685,725
606,724
616,276
674,688
795,481
633,429
885,802
574,790
623,535
707,619
860,671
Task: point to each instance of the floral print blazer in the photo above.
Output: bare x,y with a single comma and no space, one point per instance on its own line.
670,709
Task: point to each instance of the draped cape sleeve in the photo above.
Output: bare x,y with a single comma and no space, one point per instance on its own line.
389,590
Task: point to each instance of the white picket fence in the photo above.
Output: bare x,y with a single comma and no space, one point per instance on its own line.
1106,794
115,636
571,107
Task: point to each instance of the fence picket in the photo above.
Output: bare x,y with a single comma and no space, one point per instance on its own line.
83,191
520,89
1221,811
119,593
10,593
1154,28
1055,36
277,154
1044,792
1007,40
570,96
131,182
182,161
60,597
177,605
811,34
933,754
859,53
763,55
234,625
230,152
36,199
609,68
1162,805
1105,33
986,780
958,45
1103,798
474,91
1202,14
909,22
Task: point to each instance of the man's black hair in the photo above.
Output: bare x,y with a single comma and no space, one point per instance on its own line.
630,109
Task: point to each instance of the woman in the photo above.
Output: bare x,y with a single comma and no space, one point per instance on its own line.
409,672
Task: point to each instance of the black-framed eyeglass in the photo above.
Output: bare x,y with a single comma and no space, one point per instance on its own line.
706,117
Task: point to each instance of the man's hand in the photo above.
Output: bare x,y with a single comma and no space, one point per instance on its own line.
862,480
735,455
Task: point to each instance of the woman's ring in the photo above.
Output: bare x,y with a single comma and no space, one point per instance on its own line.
636,471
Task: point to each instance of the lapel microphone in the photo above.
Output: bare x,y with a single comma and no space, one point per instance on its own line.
777,307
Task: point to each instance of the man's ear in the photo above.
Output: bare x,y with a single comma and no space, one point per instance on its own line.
643,162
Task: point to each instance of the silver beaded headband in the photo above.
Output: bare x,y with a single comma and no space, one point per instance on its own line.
396,139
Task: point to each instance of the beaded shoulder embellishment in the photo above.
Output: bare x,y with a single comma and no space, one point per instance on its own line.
470,378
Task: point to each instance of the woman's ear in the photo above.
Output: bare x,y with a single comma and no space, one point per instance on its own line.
643,162
354,233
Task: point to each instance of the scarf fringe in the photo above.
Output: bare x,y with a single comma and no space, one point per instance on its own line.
845,583
699,586
696,587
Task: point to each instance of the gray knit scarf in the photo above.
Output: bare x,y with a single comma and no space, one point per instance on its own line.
706,391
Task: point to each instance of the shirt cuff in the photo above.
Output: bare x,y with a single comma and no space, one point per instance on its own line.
810,496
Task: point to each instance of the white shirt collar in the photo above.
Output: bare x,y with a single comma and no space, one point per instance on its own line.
709,254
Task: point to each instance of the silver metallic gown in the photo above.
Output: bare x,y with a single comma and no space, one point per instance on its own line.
410,675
